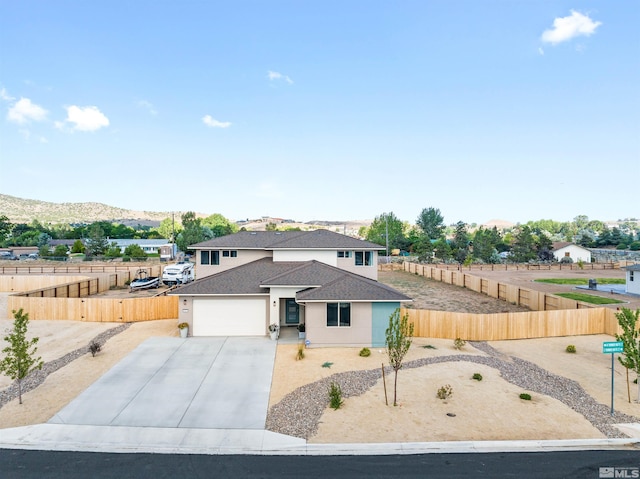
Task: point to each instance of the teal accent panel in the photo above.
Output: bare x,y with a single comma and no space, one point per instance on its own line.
380,313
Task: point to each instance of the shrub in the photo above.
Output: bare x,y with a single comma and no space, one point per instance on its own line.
566,259
94,348
300,353
525,396
327,364
365,352
428,346
445,392
335,396
477,377
635,246
571,348
459,343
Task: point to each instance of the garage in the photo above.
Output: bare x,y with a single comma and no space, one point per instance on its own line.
230,317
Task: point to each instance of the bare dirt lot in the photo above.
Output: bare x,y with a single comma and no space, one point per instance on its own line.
431,294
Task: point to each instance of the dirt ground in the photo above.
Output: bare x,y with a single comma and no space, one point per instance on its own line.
431,294
486,410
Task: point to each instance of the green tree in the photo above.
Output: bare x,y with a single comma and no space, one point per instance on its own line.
398,339
460,243
77,247
524,245
169,228
192,231
20,358
431,222
60,252
219,225
630,359
113,251
271,227
134,251
387,223
5,228
97,242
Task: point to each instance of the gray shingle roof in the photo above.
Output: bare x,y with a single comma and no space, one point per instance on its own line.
322,282
271,240
632,267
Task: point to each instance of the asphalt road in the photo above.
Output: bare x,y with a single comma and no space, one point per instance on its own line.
572,465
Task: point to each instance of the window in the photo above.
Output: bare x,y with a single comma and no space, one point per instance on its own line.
210,257
364,258
344,254
338,315
229,254
630,275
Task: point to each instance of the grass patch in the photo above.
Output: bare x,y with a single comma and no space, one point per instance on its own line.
588,298
580,281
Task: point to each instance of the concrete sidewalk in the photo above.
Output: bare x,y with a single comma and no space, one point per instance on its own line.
55,437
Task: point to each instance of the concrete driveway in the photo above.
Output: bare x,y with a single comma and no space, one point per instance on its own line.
208,383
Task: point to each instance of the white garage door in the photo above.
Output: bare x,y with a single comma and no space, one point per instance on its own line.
229,317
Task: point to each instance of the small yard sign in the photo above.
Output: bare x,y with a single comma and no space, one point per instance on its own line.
609,347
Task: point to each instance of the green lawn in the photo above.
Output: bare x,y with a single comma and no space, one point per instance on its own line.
588,298
580,281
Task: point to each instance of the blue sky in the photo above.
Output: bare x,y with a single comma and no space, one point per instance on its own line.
335,110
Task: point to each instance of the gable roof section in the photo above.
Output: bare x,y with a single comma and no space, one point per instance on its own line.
320,281
632,267
557,246
273,240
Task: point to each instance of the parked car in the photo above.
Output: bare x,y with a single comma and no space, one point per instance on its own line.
7,256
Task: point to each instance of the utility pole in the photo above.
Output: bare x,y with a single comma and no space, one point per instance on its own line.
386,236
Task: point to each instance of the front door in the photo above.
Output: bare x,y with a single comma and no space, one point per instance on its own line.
292,315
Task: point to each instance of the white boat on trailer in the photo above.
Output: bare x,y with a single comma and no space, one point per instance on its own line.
142,281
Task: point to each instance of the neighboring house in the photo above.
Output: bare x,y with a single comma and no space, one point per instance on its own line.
633,279
573,251
149,246
288,278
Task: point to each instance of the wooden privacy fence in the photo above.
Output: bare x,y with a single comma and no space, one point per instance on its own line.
60,297
500,326
532,299
117,310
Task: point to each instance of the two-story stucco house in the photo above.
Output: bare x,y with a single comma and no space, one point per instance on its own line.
328,281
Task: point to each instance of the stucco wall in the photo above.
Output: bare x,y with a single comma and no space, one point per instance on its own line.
327,257
358,334
633,287
576,253
244,257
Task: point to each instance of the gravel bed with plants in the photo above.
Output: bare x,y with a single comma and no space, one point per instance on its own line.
299,412
38,376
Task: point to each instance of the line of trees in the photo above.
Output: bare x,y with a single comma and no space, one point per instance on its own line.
430,239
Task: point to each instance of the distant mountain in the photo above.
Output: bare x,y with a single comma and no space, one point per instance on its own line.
20,210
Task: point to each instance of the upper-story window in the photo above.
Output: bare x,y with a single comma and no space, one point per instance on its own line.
344,254
229,253
364,258
210,257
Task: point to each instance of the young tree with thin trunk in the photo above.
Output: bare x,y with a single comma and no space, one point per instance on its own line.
398,338
20,357
630,359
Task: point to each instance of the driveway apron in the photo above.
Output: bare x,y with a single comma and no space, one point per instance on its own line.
209,383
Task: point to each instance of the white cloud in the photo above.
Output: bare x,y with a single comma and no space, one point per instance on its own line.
87,118
566,28
278,76
23,111
4,95
213,123
147,106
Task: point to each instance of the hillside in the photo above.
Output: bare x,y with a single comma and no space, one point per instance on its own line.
20,210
